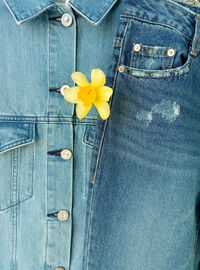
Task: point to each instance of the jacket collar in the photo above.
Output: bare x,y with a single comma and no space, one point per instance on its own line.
93,10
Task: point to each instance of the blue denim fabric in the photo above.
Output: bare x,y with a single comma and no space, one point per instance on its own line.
37,56
143,203
131,187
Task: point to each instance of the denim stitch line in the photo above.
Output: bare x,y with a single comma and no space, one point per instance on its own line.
195,41
118,41
152,22
18,21
14,238
18,143
29,139
198,45
14,209
75,62
15,177
86,172
89,140
46,120
188,3
48,67
148,53
100,10
85,139
99,151
115,76
180,6
46,204
87,144
144,47
92,19
155,75
73,124
198,17
31,192
152,48
28,12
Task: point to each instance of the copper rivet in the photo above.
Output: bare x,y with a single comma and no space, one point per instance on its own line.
121,68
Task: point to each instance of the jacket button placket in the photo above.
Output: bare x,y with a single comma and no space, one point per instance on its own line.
62,38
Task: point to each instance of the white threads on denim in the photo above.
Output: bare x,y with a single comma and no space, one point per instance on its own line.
168,110
192,2
145,116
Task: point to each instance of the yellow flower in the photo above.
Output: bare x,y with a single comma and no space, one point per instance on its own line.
86,94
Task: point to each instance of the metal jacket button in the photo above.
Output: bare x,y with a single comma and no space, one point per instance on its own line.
62,215
64,88
66,19
66,154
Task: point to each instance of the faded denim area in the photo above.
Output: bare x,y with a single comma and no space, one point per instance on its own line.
37,56
143,203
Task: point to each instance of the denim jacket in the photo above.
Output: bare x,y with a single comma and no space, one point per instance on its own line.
93,194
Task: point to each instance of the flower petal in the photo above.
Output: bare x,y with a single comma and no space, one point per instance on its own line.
98,78
82,110
104,93
79,78
103,108
71,94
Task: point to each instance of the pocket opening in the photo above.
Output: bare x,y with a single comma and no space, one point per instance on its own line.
152,57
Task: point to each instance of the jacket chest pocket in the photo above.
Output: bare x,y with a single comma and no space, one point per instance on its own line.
16,162
152,57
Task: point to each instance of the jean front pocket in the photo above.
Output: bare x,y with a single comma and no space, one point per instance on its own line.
152,50
152,57
16,162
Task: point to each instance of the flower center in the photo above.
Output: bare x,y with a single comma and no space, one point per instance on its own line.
87,95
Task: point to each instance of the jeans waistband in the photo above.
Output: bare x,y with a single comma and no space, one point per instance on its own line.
171,13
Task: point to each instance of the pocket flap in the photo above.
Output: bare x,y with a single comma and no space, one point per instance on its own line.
15,134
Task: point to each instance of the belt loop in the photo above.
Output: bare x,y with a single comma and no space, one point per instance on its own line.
196,39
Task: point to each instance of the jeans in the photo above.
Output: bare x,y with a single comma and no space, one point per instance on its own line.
120,194
143,203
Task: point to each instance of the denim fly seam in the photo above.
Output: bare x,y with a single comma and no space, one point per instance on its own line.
188,27
99,135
